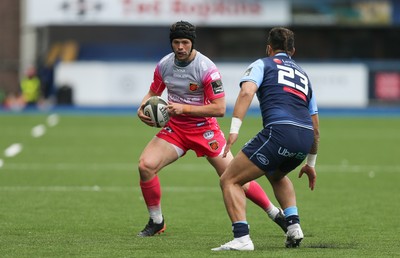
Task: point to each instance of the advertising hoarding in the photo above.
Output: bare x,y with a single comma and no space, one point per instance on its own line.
125,84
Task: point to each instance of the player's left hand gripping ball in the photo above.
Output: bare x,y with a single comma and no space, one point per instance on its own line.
156,108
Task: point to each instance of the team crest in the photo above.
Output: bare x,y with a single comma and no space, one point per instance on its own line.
214,145
193,86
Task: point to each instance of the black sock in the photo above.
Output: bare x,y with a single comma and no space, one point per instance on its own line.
293,219
240,229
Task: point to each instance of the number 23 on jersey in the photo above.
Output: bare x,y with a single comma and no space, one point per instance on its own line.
291,77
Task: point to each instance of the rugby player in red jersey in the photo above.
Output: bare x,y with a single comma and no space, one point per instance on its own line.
196,97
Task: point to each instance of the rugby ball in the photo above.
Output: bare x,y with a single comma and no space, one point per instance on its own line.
156,108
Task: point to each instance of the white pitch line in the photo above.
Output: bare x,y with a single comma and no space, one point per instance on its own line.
357,168
38,131
183,189
71,167
53,120
188,167
13,150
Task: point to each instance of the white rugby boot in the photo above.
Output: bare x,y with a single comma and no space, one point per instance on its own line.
243,243
294,236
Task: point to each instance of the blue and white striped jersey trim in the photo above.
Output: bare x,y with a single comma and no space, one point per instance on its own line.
289,122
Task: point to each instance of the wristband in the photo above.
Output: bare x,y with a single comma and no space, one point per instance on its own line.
311,160
235,125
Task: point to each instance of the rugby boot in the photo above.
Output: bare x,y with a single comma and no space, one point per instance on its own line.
294,236
237,244
281,221
152,228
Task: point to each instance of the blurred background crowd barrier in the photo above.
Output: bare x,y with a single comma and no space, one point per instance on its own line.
103,52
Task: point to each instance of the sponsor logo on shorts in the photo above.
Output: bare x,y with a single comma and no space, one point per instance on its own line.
214,145
208,135
286,153
168,129
262,159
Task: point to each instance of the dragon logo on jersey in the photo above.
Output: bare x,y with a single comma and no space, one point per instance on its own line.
214,145
193,86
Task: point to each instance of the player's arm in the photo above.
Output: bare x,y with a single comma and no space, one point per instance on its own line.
309,167
243,101
156,89
314,148
216,108
213,91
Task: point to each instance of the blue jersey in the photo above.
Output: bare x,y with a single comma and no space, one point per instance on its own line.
284,91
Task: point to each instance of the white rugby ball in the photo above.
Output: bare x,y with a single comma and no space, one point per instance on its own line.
156,108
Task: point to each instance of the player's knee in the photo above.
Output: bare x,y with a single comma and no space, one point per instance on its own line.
147,169
224,181
246,186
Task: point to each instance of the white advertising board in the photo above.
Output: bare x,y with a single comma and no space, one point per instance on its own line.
339,85
124,84
105,84
157,12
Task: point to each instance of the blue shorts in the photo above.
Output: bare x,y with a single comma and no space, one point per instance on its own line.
279,146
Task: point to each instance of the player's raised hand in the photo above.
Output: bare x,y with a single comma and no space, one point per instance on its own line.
231,140
311,174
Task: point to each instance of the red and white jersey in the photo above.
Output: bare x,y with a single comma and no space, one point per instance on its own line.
195,84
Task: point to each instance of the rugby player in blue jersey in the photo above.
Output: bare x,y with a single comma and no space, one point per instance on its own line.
289,136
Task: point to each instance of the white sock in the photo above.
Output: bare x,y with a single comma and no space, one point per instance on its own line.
272,211
155,214
244,239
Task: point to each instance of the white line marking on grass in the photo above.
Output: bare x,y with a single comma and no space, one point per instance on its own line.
61,189
96,188
13,150
358,168
53,120
38,131
187,167
1,163
72,167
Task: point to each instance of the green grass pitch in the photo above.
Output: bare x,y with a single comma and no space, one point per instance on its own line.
74,192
